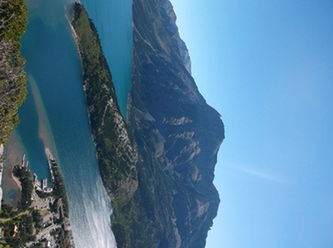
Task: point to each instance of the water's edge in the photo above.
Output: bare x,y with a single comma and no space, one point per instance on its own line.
47,119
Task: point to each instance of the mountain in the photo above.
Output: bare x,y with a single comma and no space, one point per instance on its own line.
12,76
158,165
174,127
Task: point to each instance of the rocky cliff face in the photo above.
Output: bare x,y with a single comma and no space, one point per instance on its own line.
158,167
178,133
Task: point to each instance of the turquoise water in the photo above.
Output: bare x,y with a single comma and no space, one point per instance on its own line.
28,130
55,115
113,20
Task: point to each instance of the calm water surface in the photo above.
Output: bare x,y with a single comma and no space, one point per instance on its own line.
55,116
113,20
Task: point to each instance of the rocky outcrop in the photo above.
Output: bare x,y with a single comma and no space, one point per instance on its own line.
178,133
178,136
158,168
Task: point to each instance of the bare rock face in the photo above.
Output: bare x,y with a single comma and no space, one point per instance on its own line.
178,132
157,167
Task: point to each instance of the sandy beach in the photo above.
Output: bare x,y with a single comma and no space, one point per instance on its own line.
10,184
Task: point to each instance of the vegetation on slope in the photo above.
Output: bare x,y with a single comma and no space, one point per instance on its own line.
38,214
156,202
18,230
25,177
116,154
139,193
13,15
180,140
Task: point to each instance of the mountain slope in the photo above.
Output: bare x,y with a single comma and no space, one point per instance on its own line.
12,77
174,127
117,155
158,167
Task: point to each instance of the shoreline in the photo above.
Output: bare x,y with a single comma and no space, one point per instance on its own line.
13,154
16,180
38,198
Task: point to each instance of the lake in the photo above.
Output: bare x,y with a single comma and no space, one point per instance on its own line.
55,115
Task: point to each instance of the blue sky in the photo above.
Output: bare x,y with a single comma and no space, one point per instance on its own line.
267,67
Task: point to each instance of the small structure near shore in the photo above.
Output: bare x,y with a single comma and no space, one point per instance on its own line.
41,186
41,216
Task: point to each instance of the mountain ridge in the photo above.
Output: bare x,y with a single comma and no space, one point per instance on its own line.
167,168
188,131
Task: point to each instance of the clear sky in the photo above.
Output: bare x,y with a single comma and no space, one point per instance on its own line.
267,67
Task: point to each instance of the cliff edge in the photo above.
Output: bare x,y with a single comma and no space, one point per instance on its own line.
177,131
158,166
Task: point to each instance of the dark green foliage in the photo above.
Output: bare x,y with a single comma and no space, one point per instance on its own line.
13,19
161,207
116,153
136,215
25,177
28,220
145,221
24,224
63,238
59,190
36,217
7,211
12,77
